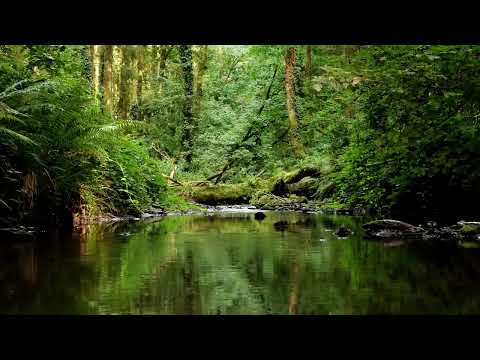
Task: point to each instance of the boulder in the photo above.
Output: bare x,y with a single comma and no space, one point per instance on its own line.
343,232
392,229
305,187
469,227
260,215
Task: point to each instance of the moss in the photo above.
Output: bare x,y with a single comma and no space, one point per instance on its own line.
222,194
305,187
298,174
471,228
273,201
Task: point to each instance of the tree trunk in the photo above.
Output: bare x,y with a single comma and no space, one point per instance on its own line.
200,67
349,51
108,79
125,81
140,75
251,133
188,129
308,62
95,58
294,138
162,61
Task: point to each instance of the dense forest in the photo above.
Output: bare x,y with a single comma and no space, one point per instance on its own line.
87,131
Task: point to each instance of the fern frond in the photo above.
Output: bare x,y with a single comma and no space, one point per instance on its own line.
6,117
9,110
17,135
12,90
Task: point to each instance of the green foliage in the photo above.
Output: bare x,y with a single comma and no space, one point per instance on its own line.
221,194
387,126
417,136
60,153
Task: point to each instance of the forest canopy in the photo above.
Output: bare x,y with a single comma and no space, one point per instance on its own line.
119,129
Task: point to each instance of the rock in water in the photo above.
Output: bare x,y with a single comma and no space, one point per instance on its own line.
344,212
281,225
260,215
392,229
469,227
16,234
343,232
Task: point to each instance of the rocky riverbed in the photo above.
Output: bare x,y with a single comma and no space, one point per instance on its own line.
392,232
463,233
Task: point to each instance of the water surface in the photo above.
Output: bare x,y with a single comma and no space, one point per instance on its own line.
229,263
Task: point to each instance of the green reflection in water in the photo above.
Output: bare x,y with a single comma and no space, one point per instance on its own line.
232,264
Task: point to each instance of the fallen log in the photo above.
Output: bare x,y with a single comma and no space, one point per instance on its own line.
172,180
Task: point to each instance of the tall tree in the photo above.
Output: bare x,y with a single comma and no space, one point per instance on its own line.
188,128
126,74
95,59
164,51
108,79
201,58
294,138
140,72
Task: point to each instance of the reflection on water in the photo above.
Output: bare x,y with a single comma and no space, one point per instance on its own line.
232,264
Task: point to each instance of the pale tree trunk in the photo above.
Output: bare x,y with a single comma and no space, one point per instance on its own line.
188,128
201,59
108,79
140,73
294,138
126,75
117,72
95,58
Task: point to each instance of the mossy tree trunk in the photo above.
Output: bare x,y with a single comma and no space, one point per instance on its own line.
188,127
140,77
108,79
201,58
126,75
290,86
164,51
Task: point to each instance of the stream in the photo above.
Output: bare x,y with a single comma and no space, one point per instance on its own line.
227,262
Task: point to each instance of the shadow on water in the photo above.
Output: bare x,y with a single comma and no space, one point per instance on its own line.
229,263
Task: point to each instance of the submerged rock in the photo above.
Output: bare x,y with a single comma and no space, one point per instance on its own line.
17,234
281,225
394,243
260,215
343,232
344,212
444,234
464,234
469,244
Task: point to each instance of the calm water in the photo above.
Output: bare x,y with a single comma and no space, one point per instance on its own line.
230,263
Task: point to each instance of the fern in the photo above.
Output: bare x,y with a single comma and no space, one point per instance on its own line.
17,136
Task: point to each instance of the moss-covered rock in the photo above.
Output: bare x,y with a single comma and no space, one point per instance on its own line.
469,227
298,174
305,187
293,182
270,201
222,194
